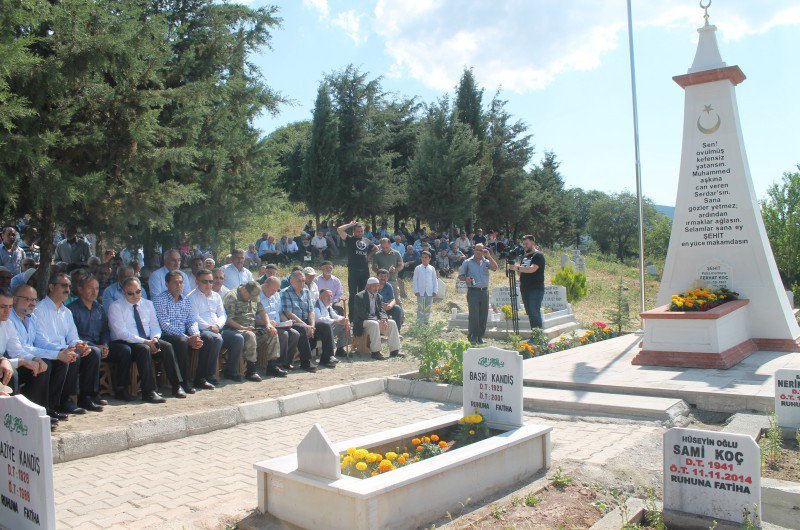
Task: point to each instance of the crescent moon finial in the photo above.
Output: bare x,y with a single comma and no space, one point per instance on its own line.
705,8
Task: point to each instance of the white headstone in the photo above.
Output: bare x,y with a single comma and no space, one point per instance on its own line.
651,270
442,291
580,265
555,297
26,466
717,214
564,260
787,397
461,287
711,473
316,455
493,386
501,296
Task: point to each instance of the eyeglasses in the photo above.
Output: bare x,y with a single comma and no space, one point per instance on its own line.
67,285
26,298
132,293
205,281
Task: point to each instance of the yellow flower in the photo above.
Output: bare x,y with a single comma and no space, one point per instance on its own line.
361,466
343,466
348,461
391,456
351,451
385,466
405,455
475,410
472,432
360,454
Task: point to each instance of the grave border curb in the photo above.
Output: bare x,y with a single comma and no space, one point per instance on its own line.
71,446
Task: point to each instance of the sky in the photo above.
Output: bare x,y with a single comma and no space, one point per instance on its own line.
564,69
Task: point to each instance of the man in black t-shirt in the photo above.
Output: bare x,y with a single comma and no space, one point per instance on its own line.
531,280
359,251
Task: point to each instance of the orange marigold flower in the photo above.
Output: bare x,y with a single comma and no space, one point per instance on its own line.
426,440
419,448
434,438
385,466
415,441
442,444
401,459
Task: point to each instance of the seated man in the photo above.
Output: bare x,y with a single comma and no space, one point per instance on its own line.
443,264
243,307
196,264
333,284
386,291
11,254
270,270
113,292
236,273
219,282
178,325
319,246
296,306
313,290
287,336
91,321
398,244
455,255
293,251
211,319
251,259
33,376
340,326
172,262
370,318
5,278
268,251
410,260
132,253
73,250
57,331
19,279
134,326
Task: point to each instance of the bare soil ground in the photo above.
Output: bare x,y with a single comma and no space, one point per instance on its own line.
788,467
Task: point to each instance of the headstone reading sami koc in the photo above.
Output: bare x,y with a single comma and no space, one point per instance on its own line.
787,397
713,474
26,466
493,386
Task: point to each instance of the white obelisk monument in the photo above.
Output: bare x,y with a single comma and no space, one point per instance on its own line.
718,237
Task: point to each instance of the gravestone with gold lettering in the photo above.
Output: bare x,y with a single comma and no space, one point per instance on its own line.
493,386
26,466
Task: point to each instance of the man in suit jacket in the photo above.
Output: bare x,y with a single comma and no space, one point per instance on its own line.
370,318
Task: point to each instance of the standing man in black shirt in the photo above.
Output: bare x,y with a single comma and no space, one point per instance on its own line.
359,252
531,280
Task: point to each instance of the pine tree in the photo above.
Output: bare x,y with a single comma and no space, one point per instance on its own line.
320,170
548,214
468,104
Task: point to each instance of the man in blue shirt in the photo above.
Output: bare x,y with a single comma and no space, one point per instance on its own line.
296,306
91,320
475,271
288,337
179,327
386,291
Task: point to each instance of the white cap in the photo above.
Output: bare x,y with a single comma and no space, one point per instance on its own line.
310,270
373,281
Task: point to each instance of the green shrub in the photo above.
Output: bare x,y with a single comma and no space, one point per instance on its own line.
575,282
619,315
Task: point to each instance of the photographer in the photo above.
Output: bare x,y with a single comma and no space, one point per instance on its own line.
531,280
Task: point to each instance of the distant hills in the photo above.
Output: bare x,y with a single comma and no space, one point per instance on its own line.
669,211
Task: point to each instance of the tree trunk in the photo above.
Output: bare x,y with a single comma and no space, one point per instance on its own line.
417,224
374,224
316,216
46,250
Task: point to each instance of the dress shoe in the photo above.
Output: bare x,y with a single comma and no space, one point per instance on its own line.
88,404
57,415
203,385
68,407
53,423
332,360
327,363
154,397
289,366
378,356
234,377
253,376
340,352
396,353
189,389
178,392
100,401
276,371
122,394
213,380
308,367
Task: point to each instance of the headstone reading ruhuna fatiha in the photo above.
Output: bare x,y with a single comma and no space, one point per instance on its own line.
787,397
26,466
493,386
713,474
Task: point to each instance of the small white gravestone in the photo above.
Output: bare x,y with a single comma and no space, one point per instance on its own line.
555,297
715,275
787,397
442,290
564,260
493,385
651,270
580,265
711,473
461,287
26,466
316,455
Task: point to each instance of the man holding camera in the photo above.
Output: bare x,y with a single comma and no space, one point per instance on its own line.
475,272
531,280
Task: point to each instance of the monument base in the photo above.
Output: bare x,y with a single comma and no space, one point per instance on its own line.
717,338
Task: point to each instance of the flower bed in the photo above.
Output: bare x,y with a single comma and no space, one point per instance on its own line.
701,299
365,463
539,345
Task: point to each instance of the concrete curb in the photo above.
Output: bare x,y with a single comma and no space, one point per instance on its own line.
401,385
780,502
84,444
615,519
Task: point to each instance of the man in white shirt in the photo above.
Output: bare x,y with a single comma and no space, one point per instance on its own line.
211,318
340,326
426,285
58,329
33,376
131,253
172,262
134,325
219,282
320,245
113,292
313,289
236,273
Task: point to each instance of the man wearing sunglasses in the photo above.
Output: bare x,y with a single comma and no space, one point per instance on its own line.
134,325
211,318
178,323
113,292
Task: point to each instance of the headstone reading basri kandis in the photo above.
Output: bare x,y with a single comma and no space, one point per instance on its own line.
787,397
493,386
712,474
26,466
